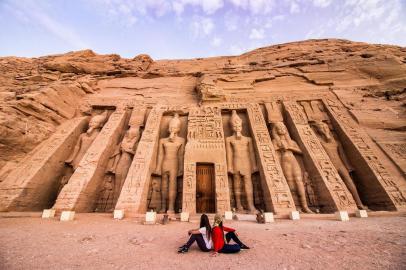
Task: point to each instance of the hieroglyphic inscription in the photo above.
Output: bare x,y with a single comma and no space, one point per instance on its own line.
275,183
397,153
322,168
133,196
26,187
363,145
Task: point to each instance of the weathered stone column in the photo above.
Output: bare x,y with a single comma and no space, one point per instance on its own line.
133,196
34,183
379,187
276,191
332,193
82,189
205,144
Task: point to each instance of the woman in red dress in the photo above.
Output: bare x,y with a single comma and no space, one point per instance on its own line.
219,245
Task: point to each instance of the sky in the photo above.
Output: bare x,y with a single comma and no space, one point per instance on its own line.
179,29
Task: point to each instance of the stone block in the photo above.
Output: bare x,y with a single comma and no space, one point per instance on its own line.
118,214
294,215
67,215
361,213
269,217
342,216
228,215
184,216
150,217
48,213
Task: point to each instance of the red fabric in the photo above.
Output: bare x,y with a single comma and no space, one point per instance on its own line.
218,237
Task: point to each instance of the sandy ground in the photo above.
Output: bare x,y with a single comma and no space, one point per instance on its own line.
98,242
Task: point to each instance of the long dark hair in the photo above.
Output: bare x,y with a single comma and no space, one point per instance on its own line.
204,222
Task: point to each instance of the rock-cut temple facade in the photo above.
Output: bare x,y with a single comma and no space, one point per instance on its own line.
243,133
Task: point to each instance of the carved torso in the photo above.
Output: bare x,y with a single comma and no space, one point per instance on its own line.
171,154
241,155
85,141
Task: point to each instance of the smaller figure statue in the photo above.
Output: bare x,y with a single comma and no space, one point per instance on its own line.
122,158
311,195
287,149
241,163
336,153
86,139
106,195
155,202
170,164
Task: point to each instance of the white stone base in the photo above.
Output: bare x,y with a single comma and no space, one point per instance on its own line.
67,215
228,215
361,213
118,214
48,213
184,216
342,216
150,218
294,215
269,217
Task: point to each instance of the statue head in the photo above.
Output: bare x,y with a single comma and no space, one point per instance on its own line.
174,127
236,123
97,122
323,129
132,132
280,128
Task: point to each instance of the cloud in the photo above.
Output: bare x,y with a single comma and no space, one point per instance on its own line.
208,6
322,3
201,26
257,34
216,42
31,12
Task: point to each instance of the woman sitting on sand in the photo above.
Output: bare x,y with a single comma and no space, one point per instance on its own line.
218,238
202,236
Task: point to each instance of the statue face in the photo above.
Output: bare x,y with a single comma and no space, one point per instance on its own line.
323,129
94,123
280,129
173,132
132,133
237,127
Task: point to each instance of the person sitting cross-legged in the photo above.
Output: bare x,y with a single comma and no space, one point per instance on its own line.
201,236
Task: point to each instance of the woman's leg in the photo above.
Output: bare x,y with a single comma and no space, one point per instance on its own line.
230,248
232,235
199,240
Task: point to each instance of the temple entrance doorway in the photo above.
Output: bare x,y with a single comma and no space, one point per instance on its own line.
205,188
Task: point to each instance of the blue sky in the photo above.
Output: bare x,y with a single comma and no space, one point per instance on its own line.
167,29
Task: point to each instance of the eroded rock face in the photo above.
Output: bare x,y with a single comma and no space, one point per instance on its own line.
357,91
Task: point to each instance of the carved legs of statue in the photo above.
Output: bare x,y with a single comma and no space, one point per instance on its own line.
237,191
168,190
249,191
302,194
121,172
351,187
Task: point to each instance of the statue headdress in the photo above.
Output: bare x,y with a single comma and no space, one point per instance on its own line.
235,119
101,118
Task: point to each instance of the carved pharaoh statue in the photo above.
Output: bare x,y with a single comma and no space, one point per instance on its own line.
241,162
336,153
170,164
86,139
287,149
82,145
122,157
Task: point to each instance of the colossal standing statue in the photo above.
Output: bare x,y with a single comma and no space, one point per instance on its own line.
86,139
241,162
122,158
287,149
84,142
170,164
336,153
